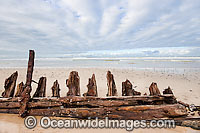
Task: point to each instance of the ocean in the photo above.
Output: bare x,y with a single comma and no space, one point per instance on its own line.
162,64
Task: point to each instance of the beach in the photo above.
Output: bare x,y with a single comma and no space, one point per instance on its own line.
184,86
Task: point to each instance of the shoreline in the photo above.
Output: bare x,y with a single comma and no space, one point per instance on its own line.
141,79
185,86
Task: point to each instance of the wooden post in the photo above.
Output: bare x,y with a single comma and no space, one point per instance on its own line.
9,86
92,87
168,91
112,91
127,89
154,89
73,83
55,89
26,93
41,89
20,89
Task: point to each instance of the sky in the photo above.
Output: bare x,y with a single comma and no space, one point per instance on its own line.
97,28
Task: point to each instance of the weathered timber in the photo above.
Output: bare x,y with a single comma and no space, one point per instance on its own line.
20,89
168,91
91,102
9,85
180,120
13,99
92,87
41,89
55,89
153,89
26,93
127,89
112,91
73,83
130,112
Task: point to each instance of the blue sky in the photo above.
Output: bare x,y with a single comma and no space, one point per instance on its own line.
100,27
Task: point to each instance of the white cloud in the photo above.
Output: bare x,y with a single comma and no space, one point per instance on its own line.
65,26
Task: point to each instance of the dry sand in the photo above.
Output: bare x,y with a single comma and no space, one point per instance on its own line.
186,88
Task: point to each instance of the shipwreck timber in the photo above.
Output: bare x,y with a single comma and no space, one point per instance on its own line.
131,105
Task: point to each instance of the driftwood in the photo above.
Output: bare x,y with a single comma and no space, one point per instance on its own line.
92,87
73,83
26,93
20,89
112,91
55,89
41,89
10,84
127,89
154,89
168,91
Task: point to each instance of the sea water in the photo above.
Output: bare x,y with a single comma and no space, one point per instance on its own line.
163,64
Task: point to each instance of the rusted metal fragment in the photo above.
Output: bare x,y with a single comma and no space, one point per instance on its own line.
55,89
154,89
27,90
168,91
20,89
92,87
9,85
112,91
73,83
127,89
41,89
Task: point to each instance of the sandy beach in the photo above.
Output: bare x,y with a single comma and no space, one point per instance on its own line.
185,87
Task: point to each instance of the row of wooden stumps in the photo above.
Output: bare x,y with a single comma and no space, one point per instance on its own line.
73,83
131,105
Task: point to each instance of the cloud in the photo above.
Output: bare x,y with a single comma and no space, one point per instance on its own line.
54,27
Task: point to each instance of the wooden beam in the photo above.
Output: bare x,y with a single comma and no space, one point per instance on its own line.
55,89
9,85
92,87
73,83
112,91
154,89
20,89
127,89
41,89
26,93
168,91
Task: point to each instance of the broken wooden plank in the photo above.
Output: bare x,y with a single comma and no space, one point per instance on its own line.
9,85
55,89
26,93
153,89
92,102
130,112
20,89
168,91
73,83
41,89
92,87
112,91
127,89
